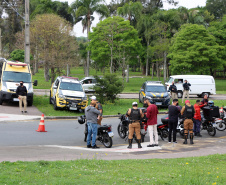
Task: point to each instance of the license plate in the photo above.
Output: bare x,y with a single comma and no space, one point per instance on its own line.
158,103
111,134
15,99
73,108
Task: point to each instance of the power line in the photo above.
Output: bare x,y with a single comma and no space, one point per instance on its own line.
14,10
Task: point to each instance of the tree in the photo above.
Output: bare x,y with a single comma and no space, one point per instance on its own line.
216,7
18,55
194,50
51,38
83,10
114,40
108,87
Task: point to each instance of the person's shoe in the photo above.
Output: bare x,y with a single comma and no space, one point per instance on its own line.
174,142
25,111
139,145
185,139
199,135
191,139
130,143
156,145
95,147
22,112
150,145
89,146
195,134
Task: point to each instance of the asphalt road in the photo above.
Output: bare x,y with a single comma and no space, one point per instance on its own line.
20,141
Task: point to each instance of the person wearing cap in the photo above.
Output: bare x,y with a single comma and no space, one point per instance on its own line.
173,91
98,107
188,112
152,112
134,115
186,86
91,117
197,118
174,112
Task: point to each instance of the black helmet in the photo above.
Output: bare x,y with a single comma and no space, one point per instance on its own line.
211,103
82,119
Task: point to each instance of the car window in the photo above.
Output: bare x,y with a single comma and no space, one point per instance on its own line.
178,81
159,89
57,82
70,86
88,81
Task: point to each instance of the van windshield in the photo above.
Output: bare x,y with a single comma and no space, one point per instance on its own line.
170,80
71,86
160,89
9,76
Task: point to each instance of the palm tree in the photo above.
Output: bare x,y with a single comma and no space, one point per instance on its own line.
83,10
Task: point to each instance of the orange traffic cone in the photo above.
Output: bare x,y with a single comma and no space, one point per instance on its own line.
41,127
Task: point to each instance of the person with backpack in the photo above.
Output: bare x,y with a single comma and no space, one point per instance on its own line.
188,112
134,115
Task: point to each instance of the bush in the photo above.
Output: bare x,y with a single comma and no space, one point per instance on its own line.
108,87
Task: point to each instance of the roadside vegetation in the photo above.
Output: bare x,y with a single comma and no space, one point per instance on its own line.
196,170
120,106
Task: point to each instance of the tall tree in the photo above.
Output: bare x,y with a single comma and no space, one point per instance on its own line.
216,7
195,50
83,10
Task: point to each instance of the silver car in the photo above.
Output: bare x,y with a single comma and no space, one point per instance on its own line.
88,83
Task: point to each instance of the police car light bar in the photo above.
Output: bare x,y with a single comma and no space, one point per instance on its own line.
16,64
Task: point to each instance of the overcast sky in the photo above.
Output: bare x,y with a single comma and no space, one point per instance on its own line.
186,3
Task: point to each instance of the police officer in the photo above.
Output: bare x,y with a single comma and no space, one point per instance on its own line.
173,91
135,115
188,112
186,87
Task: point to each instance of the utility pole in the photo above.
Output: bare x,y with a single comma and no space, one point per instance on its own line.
27,33
1,42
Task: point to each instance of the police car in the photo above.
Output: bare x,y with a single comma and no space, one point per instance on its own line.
156,92
67,92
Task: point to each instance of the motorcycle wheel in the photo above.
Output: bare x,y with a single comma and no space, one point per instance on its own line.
211,130
121,131
165,134
107,141
221,126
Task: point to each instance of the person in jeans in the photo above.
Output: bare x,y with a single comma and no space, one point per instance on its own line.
186,86
197,118
91,117
174,112
152,112
21,92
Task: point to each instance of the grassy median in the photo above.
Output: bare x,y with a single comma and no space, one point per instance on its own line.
196,170
120,106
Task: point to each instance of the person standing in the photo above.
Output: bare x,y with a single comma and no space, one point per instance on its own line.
152,112
21,92
205,101
174,112
186,86
188,111
197,118
173,91
98,107
135,115
91,116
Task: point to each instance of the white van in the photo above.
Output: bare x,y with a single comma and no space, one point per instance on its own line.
200,84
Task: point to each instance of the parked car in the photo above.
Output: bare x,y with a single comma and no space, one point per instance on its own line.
88,83
156,92
67,92
200,84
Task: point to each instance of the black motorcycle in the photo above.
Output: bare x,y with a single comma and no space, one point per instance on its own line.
104,133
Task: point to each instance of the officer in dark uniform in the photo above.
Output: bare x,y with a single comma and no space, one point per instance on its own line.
135,115
188,112
173,91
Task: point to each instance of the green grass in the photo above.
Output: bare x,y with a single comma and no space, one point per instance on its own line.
195,170
120,106
133,86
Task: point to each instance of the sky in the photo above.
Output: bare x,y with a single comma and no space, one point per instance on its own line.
186,3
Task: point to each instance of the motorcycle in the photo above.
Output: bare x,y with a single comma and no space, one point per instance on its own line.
221,121
104,133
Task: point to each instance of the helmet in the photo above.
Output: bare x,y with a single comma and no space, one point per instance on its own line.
82,119
211,103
